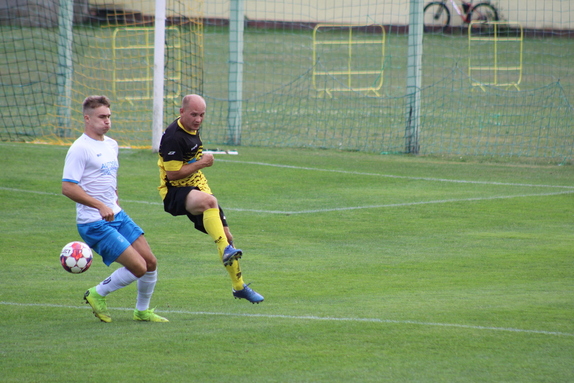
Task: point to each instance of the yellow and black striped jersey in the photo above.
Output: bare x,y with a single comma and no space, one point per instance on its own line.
179,147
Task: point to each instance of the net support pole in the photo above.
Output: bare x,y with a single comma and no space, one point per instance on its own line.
414,74
65,66
235,85
158,74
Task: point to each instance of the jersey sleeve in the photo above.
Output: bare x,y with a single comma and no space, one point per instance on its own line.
172,154
114,145
74,165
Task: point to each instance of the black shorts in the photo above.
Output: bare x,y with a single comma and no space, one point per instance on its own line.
174,204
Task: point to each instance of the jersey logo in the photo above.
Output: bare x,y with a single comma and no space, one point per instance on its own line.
194,146
171,153
109,168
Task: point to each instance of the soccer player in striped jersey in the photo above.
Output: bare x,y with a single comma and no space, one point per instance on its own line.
185,191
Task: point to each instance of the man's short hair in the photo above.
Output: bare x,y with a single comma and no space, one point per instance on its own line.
93,102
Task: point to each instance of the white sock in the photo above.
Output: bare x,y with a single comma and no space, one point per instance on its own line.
119,278
146,285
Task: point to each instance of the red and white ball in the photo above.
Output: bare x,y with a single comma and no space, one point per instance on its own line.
76,257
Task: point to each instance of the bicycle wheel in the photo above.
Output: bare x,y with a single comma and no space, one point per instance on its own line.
483,12
436,17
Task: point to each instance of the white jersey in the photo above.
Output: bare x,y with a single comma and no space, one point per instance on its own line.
93,165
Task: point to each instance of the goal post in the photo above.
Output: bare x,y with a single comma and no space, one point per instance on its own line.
65,66
234,114
158,74
414,77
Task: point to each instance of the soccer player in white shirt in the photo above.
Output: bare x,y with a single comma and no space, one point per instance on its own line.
90,180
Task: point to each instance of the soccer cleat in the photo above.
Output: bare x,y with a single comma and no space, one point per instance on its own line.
98,303
148,316
230,254
249,294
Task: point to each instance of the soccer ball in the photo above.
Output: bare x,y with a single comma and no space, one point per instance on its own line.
76,257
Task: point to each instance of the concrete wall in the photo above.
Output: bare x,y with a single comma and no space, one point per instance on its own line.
38,13
551,14
548,14
29,13
539,14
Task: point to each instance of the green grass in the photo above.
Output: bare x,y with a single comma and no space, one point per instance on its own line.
374,268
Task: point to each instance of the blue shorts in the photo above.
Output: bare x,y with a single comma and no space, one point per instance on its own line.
110,239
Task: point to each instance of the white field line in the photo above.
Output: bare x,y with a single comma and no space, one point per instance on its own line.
474,199
394,176
569,189
312,318
400,204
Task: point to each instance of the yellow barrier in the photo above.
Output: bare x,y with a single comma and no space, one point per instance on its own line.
492,34
133,64
354,71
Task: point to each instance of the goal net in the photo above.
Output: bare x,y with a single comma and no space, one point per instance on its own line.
110,50
318,74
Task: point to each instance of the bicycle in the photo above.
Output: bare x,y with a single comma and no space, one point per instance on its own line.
437,14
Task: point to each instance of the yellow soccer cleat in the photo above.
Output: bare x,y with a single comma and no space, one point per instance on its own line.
148,316
99,305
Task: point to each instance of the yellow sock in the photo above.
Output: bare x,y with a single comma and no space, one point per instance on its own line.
235,273
214,227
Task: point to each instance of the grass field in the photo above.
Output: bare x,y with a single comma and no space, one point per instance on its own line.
374,269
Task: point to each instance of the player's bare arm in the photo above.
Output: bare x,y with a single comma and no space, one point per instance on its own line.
77,194
186,170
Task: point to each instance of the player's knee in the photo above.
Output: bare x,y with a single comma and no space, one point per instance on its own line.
140,268
210,202
138,271
151,263
198,202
